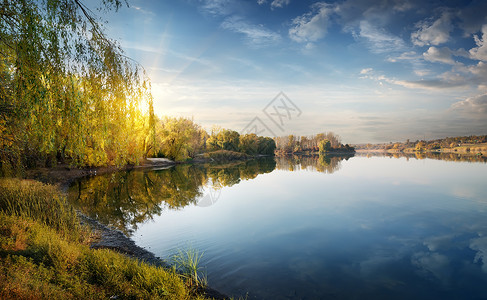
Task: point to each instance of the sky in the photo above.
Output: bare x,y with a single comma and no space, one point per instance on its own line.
367,70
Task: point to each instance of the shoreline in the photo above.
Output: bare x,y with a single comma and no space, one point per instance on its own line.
109,238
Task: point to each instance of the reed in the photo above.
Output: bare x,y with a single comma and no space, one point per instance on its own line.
187,262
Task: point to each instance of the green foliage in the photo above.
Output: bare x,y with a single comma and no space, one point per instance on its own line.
292,144
252,144
179,138
37,201
187,262
67,90
223,139
249,144
324,146
45,265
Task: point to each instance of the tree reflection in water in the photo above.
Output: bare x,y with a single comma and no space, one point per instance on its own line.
124,199
320,163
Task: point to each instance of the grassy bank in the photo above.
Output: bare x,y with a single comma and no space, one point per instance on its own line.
45,254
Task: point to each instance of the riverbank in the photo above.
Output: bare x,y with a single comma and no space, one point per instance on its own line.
107,238
45,253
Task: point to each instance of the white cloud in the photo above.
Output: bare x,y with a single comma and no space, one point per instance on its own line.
429,84
311,26
434,33
434,263
275,3
479,71
143,11
280,3
447,80
422,72
217,7
409,55
380,41
476,105
257,35
480,245
435,54
480,52
366,71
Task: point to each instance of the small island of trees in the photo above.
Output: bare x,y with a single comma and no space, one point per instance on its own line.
327,142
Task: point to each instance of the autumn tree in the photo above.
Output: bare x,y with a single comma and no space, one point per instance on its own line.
179,138
253,144
266,145
67,89
223,139
324,146
249,143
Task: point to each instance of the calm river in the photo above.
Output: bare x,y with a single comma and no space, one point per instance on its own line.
311,227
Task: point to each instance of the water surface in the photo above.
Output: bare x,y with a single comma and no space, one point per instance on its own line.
312,227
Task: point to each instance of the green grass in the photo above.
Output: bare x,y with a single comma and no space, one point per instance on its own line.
45,254
40,202
187,262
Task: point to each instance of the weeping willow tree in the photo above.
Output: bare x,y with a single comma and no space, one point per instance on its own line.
67,89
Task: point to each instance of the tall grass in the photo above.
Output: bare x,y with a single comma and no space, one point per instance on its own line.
38,263
187,262
40,202
44,254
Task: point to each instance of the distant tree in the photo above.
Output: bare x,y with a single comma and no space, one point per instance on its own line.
223,139
324,146
420,146
249,143
267,146
179,138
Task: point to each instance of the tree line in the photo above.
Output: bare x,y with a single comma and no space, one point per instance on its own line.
423,145
321,142
182,138
68,94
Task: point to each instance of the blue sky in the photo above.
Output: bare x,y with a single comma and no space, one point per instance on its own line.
368,70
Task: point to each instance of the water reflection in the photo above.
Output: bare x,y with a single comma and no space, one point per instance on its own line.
319,163
378,229
124,199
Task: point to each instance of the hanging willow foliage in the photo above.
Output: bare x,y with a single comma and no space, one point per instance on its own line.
67,90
